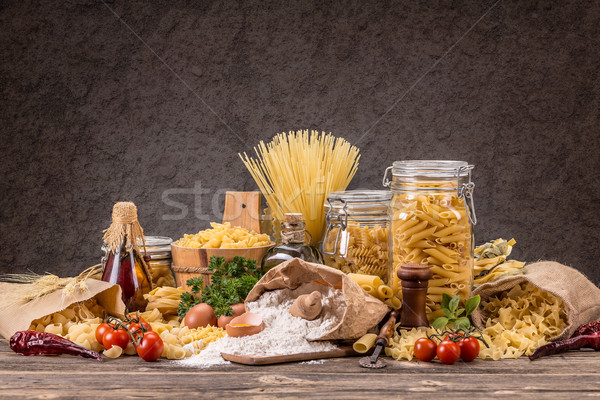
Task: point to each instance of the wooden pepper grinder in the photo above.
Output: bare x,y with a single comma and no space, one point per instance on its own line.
415,279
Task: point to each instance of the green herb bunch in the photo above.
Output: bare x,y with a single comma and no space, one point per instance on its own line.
454,315
230,284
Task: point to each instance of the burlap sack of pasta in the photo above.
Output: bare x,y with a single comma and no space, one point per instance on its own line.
579,296
23,303
361,313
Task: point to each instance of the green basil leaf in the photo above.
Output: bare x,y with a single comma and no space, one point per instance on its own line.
462,323
459,311
446,311
453,305
440,322
472,304
446,300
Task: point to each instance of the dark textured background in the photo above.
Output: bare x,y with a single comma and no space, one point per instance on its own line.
132,100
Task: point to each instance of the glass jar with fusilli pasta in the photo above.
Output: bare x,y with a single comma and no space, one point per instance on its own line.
432,219
357,236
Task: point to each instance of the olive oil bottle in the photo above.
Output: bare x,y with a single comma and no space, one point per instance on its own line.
293,244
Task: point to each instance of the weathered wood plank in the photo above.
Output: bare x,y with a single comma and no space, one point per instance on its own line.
570,375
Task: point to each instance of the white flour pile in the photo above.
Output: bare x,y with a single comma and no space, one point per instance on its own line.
283,333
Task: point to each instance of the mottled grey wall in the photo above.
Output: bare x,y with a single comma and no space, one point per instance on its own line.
125,100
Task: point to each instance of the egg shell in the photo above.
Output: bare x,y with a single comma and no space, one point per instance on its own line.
200,315
238,309
254,321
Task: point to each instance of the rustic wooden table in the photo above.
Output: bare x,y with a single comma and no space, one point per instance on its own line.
567,376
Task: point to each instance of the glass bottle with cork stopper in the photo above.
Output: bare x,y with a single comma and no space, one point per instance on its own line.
293,244
123,264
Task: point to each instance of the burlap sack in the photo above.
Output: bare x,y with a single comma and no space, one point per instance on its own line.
580,296
18,317
363,311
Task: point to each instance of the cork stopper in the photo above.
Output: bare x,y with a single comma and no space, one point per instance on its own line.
124,212
292,230
293,218
124,225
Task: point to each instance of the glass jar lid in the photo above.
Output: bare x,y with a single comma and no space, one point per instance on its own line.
431,168
158,247
434,176
362,205
427,171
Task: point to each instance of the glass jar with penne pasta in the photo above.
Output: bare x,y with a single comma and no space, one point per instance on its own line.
357,234
432,219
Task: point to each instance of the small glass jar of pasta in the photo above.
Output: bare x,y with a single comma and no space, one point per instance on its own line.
356,240
432,219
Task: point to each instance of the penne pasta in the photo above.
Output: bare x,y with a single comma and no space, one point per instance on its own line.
441,239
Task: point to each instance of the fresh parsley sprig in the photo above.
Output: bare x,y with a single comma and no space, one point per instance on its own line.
230,284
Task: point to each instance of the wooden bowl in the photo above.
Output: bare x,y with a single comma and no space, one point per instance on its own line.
191,262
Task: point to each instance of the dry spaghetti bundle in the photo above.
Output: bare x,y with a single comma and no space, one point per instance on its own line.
296,171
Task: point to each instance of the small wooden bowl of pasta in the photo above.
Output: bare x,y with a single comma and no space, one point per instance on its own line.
192,253
192,262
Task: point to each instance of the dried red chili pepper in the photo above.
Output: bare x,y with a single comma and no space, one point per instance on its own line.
587,329
32,343
576,343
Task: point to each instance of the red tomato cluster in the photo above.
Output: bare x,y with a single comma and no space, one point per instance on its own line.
148,344
449,350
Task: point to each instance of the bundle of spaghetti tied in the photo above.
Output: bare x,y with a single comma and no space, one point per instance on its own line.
365,250
434,230
296,171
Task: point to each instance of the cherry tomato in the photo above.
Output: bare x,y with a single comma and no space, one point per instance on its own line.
134,326
115,337
425,349
150,347
101,330
454,336
469,348
448,352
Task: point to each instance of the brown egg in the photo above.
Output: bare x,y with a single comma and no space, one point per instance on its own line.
200,315
245,325
238,309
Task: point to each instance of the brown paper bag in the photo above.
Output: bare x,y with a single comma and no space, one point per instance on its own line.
362,310
580,296
18,317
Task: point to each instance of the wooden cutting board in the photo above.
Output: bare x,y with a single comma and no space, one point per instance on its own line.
257,359
243,209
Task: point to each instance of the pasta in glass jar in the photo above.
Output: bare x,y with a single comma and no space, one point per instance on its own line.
432,218
357,235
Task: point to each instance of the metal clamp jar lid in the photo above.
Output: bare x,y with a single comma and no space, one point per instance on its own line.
158,247
361,206
406,174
